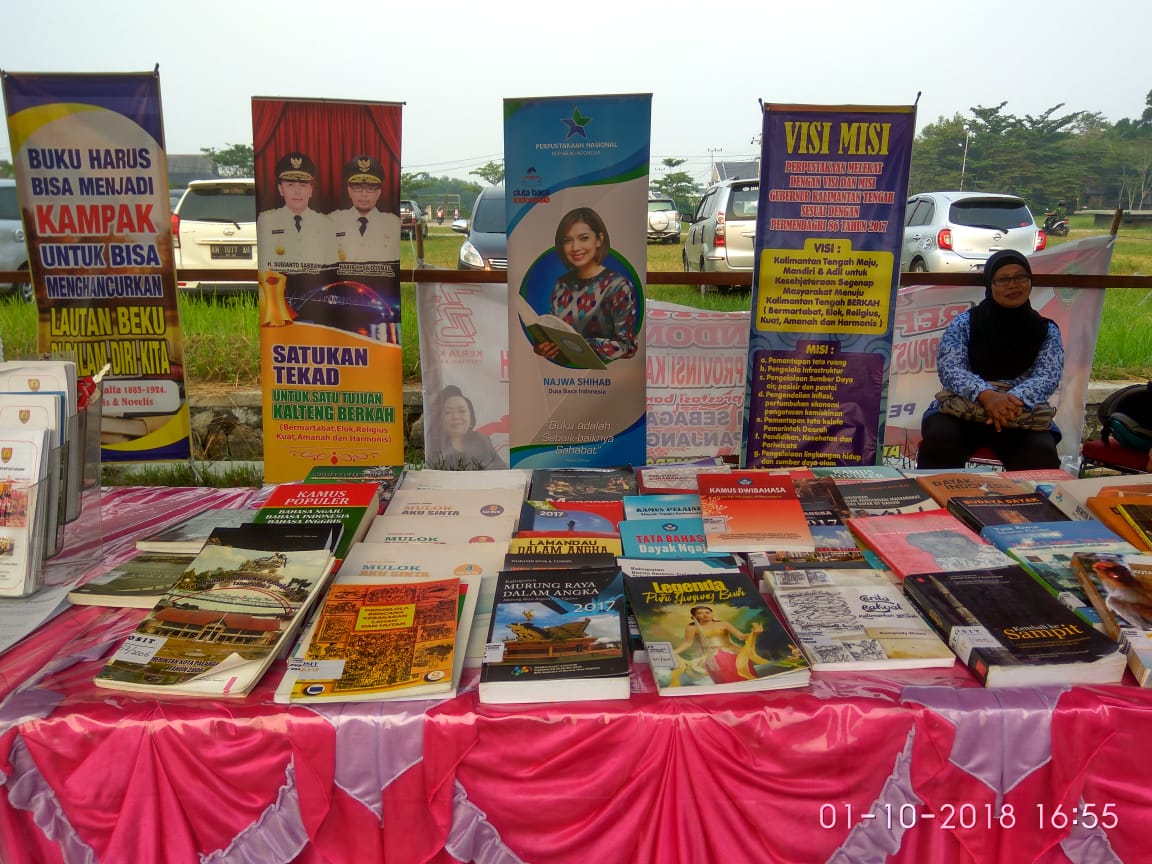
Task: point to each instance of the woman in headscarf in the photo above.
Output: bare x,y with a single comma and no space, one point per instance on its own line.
1003,354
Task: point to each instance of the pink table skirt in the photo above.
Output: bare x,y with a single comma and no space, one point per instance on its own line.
947,771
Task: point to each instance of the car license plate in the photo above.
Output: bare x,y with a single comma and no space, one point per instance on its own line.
231,251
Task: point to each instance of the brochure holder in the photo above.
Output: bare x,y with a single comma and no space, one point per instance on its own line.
83,535
90,419
74,460
55,509
23,536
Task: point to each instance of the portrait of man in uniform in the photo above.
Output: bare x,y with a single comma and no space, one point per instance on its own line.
363,232
293,237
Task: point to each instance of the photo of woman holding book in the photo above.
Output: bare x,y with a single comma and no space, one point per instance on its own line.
597,302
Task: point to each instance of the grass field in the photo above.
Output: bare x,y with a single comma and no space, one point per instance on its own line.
221,339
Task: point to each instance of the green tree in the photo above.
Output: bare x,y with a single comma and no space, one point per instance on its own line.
235,160
677,185
6,169
413,185
493,172
939,157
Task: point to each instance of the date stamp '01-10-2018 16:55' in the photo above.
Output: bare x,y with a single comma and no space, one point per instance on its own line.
970,817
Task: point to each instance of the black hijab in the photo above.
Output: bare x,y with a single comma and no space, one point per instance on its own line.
1004,343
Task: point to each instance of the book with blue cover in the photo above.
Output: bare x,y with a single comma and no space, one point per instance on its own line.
661,506
665,538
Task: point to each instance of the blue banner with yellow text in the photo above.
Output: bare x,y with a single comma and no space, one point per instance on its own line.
833,185
92,181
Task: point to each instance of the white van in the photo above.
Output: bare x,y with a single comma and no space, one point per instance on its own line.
722,236
214,226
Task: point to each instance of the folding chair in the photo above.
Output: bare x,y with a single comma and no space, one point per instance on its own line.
1113,456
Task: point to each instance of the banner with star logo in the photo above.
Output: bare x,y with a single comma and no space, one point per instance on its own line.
576,190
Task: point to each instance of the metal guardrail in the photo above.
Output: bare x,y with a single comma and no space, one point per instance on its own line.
667,277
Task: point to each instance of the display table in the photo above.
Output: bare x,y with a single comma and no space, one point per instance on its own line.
910,767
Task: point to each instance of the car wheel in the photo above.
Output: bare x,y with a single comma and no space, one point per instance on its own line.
705,288
24,290
918,266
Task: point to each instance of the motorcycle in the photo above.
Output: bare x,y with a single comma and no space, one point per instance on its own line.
1056,223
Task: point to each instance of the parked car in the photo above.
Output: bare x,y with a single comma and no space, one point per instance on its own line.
663,221
214,226
956,232
722,236
411,216
13,249
486,246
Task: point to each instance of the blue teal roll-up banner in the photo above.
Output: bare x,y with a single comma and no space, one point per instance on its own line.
576,190
833,187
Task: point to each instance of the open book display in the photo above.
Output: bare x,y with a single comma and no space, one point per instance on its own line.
575,352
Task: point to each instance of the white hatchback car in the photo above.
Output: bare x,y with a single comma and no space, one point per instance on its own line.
13,249
214,226
956,232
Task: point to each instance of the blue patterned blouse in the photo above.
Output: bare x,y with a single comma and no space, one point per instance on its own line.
602,309
1038,384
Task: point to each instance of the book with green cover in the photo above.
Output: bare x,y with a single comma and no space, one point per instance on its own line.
712,632
137,583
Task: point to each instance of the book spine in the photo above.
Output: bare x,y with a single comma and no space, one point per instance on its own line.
1139,528
1083,572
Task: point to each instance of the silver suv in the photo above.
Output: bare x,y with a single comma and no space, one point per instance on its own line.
214,226
722,236
956,232
13,249
663,221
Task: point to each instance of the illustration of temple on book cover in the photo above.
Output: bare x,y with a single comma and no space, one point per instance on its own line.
533,643
241,606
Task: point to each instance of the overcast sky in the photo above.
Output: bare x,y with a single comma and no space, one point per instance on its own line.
706,64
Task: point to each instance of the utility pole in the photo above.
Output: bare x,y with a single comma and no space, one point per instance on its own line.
964,159
712,151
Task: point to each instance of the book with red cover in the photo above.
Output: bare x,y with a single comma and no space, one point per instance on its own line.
753,510
352,505
934,541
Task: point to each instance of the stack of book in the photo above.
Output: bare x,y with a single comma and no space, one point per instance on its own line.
558,629
1009,631
710,631
855,619
1119,587
240,601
